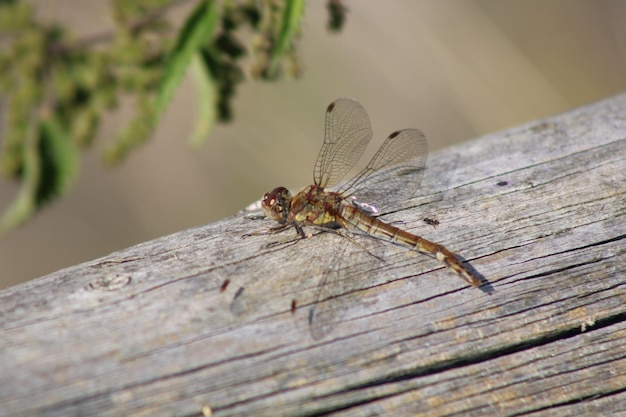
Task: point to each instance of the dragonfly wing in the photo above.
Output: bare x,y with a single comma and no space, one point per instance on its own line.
342,285
347,134
394,173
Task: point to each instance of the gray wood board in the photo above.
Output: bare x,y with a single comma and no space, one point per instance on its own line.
539,210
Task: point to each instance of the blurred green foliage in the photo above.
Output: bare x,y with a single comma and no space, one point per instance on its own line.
54,88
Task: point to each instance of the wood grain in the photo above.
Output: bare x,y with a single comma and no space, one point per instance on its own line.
539,210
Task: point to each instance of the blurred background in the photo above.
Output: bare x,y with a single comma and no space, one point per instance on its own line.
455,69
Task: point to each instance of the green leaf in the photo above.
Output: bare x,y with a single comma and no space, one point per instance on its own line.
50,165
195,32
288,30
59,161
207,99
24,205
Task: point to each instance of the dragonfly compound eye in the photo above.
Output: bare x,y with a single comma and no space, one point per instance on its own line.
275,203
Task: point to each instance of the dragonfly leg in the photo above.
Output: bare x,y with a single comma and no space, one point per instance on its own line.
351,239
269,231
300,231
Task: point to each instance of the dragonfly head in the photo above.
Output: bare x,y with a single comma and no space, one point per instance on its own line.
275,204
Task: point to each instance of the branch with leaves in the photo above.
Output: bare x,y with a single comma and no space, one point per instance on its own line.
54,88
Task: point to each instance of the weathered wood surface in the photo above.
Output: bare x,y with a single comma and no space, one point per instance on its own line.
539,210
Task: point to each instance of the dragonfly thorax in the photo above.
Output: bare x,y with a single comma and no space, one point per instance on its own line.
275,204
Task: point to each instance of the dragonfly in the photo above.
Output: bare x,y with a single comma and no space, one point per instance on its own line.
393,174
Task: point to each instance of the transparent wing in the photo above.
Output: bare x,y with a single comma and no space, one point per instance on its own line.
348,132
344,269
342,284
393,174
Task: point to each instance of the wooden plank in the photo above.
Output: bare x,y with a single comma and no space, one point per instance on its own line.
539,210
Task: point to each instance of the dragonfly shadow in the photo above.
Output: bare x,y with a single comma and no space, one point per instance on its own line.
485,286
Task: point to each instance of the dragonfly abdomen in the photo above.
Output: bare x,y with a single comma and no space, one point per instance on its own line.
382,230
385,231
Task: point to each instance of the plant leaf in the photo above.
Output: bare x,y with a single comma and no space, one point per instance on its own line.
290,24
50,165
205,92
58,160
195,32
23,206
